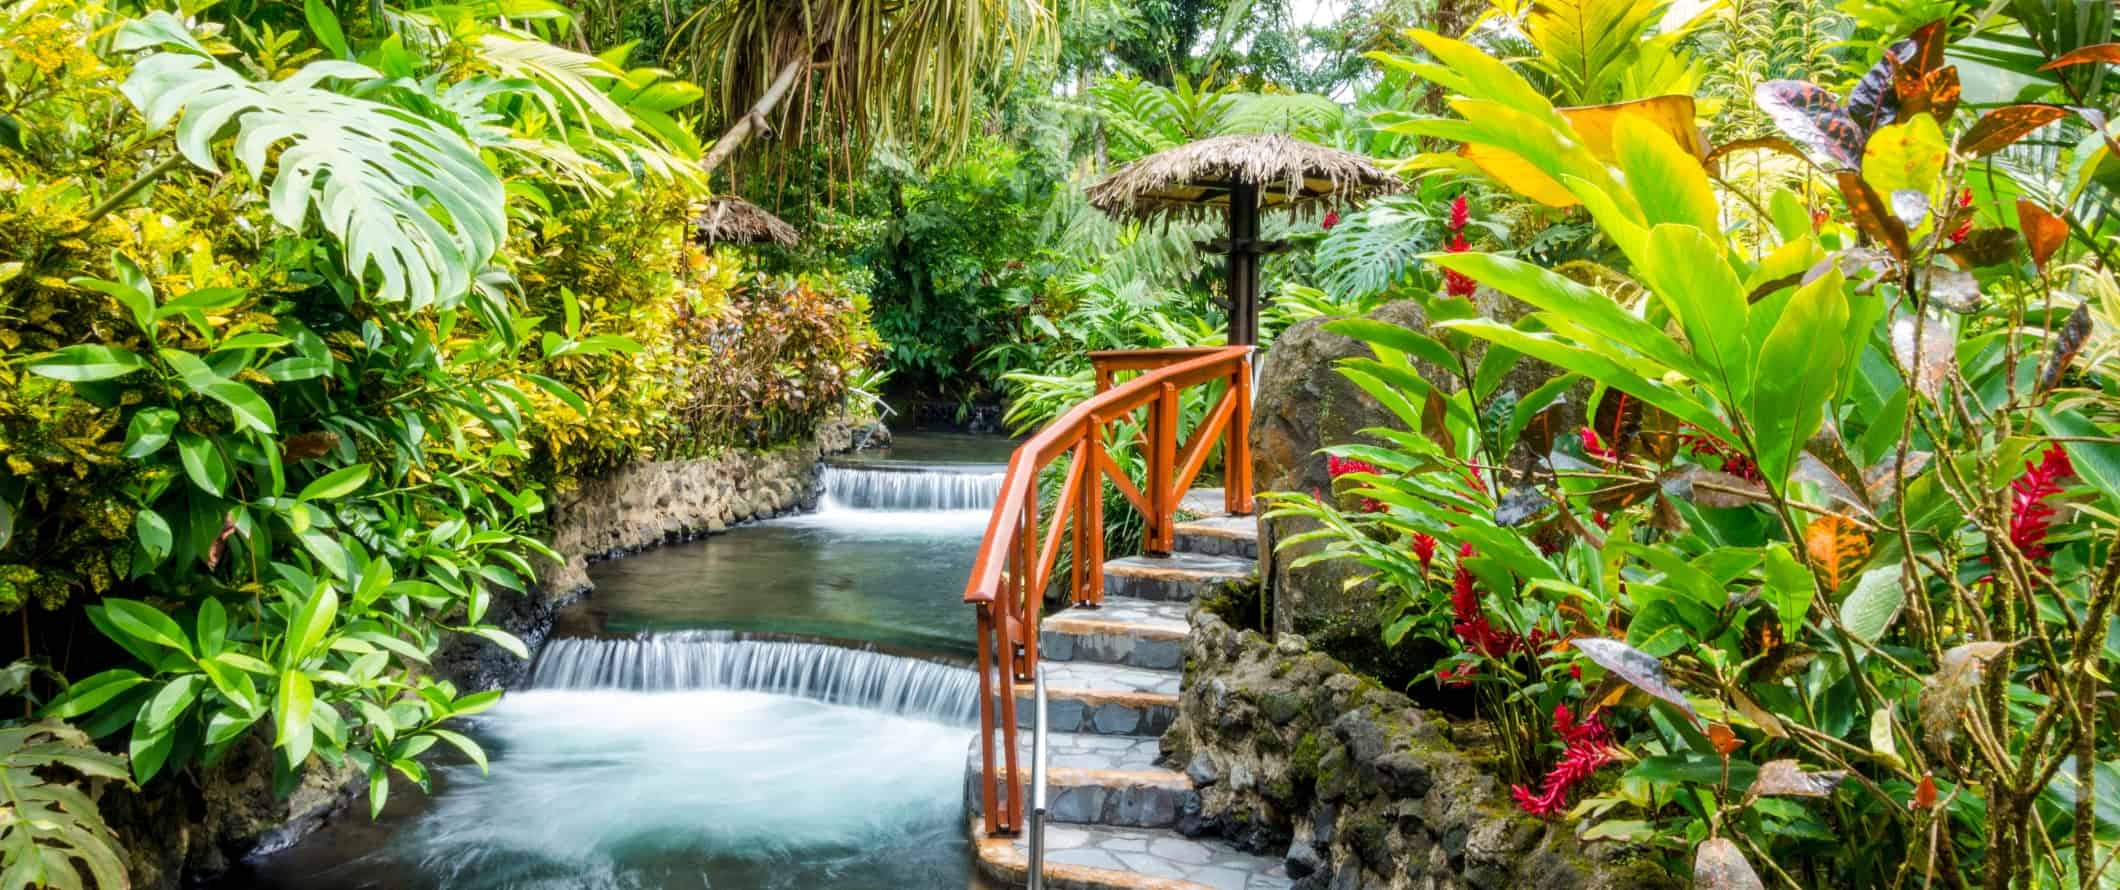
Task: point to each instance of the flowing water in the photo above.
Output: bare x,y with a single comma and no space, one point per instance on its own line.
783,706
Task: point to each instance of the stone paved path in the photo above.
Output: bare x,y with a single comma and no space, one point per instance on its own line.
1112,680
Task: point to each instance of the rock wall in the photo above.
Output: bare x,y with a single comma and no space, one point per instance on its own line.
641,506
1295,754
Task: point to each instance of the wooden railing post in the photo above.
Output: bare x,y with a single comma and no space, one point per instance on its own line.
1236,453
1162,467
1033,594
1091,519
987,706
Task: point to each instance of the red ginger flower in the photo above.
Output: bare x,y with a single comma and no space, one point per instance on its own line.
1332,218
1337,466
1595,446
1424,549
2030,515
1587,748
1454,284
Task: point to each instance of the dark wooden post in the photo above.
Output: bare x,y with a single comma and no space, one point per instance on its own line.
1243,264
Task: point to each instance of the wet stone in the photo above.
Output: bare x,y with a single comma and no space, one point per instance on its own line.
1116,719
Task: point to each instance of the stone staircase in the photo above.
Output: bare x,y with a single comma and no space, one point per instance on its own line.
1112,675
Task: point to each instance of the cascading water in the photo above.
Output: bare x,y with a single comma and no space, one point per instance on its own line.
699,660
715,748
923,488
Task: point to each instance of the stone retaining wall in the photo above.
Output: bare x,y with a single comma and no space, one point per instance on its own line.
1295,754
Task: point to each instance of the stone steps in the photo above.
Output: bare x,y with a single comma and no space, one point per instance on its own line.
1112,677
1092,857
1106,699
1236,536
1177,577
1140,633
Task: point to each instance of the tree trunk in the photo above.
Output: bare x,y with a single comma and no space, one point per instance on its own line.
752,120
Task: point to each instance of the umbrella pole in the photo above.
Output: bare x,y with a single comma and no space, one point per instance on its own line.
1243,264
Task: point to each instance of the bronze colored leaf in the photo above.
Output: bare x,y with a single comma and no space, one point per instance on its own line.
1718,865
1879,480
1837,548
1718,490
1435,422
2043,231
1658,434
1874,101
1612,498
1813,117
1543,428
308,446
1785,778
1935,93
1618,421
1639,669
2085,55
1871,215
1760,717
1983,248
1927,359
1723,739
1664,515
1925,792
2074,332
1998,129
1763,143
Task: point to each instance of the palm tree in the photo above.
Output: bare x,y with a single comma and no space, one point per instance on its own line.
872,68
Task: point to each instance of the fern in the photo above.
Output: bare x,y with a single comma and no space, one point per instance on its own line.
403,194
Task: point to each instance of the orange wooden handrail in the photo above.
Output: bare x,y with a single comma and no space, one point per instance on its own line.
1016,559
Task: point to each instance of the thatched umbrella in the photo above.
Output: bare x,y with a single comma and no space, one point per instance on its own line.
1239,175
733,220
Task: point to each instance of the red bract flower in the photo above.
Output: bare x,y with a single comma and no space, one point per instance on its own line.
1708,448
1595,446
1965,199
1337,466
1454,284
1424,550
1588,747
1470,622
2030,514
1332,218
1818,218
1459,676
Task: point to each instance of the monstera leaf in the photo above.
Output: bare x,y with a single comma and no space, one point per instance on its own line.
405,196
52,826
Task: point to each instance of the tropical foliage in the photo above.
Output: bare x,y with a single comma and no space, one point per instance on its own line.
1796,562
302,328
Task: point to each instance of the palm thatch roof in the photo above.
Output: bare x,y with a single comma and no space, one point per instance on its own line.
727,219
1195,178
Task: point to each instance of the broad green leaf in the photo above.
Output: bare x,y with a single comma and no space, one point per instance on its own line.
213,627
2090,450
505,640
170,703
87,363
1593,311
149,749
1789,588
154,535
325,27
144,623
1686,270
336,484
149,430
203,464
306,630
250,411
291,710
1875,602
90,694
1799,365
1668,180
470,748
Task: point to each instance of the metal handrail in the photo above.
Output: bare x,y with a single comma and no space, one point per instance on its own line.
1018,556
1037,839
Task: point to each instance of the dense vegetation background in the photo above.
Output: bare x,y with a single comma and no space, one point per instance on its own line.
309,308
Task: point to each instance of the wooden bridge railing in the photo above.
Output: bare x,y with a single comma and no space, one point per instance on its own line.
1019,553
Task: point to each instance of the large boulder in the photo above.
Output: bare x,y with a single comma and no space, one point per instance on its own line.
1302,403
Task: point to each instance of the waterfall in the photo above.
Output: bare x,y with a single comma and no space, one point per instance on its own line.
919,488
694,660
